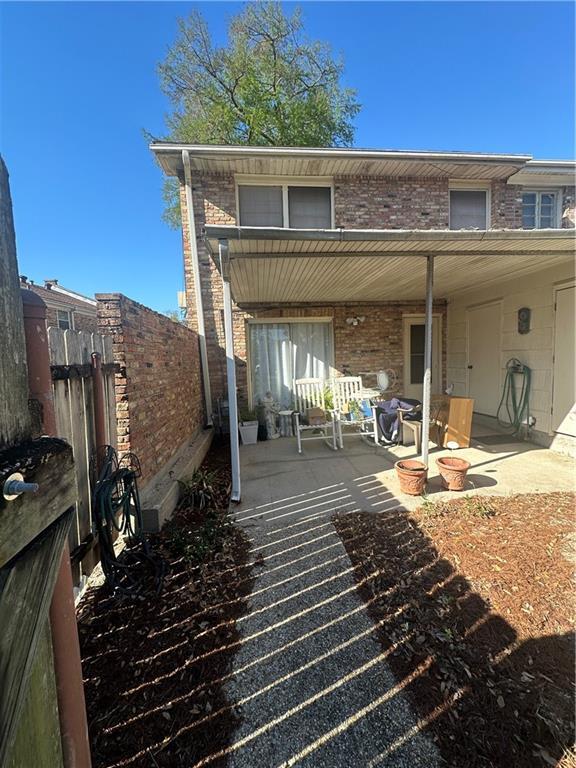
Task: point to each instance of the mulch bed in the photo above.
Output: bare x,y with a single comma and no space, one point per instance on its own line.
154,668
476,600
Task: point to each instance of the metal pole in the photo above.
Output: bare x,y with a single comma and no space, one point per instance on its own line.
230,370
197,287
427,358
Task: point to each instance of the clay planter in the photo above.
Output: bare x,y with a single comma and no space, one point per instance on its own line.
412,475
453,472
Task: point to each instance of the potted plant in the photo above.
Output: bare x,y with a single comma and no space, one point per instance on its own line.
248,427
453,472
412,475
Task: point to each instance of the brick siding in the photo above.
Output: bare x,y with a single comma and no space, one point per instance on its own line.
159,399
359,202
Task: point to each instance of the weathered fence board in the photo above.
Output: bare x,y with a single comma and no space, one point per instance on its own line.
74,406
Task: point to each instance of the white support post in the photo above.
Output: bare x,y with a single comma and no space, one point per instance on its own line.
230,369
197,286
427,359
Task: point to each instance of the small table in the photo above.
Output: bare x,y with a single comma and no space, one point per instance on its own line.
285,424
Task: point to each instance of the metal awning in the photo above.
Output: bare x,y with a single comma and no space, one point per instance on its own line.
276,265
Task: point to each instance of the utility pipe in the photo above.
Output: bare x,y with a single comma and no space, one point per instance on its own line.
230,370
427,359
65,645
197,286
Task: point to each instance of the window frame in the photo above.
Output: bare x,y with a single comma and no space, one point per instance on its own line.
455,185
70,319
539,191
284,182
288,320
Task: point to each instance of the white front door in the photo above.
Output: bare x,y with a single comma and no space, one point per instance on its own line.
484,375
413,327
563,406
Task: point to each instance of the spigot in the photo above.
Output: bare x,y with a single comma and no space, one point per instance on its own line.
14,486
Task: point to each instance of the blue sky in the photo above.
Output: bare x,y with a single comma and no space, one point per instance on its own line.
78,84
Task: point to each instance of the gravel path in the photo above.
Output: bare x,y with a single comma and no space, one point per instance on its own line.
311,681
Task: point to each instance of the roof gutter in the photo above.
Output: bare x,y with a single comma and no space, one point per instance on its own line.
232,232
213,150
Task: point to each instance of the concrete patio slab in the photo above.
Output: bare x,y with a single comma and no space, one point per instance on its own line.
311,682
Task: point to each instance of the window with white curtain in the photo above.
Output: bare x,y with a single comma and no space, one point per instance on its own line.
468,209
284,351
285,205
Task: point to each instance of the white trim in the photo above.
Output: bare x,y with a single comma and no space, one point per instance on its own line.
407,318
560,286
312,319
284,182
70,318
461,186
287,321
540,190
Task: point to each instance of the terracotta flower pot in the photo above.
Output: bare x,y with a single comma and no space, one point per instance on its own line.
412,475
453,472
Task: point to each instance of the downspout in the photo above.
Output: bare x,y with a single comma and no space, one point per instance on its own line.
230,369
427,358
197,286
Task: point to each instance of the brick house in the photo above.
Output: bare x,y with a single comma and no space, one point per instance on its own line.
65,308
325,254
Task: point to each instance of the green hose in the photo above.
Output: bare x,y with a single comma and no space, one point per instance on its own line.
516,405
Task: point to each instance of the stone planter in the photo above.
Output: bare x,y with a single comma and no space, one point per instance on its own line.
453,472
412,475
248,432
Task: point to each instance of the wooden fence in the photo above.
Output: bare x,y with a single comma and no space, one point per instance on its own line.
71,366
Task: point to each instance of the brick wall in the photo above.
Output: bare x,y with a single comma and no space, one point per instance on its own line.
375,344
359,202
365,202
159,400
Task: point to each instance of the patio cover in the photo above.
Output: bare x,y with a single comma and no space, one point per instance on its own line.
277,265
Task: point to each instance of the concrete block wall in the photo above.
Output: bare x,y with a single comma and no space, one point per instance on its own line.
159,398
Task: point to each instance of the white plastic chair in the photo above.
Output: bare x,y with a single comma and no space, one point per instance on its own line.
309,393
344,389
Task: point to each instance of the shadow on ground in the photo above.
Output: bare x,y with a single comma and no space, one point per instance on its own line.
487,699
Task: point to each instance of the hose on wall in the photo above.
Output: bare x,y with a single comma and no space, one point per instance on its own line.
514,408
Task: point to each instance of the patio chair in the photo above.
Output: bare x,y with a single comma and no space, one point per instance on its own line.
408,421
309,393
344,390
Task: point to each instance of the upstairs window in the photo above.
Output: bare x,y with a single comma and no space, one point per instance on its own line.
539,210
285,205
64,318
468,209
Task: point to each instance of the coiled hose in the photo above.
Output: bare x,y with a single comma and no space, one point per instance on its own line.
116,504
515,404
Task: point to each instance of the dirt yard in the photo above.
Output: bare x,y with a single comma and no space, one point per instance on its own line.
476,597
154,667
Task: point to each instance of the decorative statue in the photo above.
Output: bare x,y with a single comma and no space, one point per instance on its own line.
271,411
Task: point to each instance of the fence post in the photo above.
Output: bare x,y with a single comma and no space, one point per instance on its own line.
99,415
65,644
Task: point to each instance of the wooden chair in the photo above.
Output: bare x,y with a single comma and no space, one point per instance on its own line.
344,389
309,393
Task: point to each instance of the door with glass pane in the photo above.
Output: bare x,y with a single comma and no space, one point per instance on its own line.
283,351
414,331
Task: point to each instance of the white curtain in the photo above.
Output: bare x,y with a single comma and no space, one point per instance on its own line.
282,352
